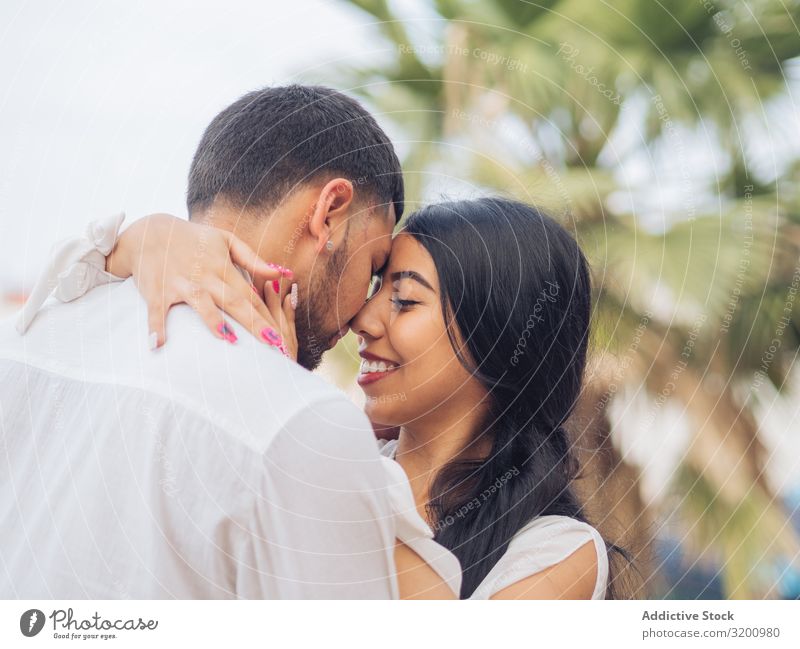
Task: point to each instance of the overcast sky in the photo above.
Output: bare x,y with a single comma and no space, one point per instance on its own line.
103,103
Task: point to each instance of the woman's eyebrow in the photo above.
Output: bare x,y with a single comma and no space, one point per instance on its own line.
411,274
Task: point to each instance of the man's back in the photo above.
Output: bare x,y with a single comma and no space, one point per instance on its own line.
200,470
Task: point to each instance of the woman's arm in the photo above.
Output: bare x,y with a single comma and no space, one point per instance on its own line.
572,578
74,266
416,579
175,261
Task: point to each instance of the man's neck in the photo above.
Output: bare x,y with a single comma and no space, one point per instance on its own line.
272,235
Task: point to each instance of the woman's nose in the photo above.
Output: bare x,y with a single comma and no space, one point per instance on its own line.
367,322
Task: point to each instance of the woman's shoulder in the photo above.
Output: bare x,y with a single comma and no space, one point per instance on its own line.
541,544
551,525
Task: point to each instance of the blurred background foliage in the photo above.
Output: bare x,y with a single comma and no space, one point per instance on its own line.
665,136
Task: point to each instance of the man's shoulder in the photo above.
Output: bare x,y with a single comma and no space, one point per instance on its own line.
248,388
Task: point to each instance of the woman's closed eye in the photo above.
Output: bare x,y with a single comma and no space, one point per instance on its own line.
401,304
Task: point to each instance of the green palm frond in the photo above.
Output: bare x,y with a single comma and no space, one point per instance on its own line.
533,122
748,534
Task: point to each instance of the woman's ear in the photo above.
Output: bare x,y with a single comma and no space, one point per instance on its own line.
330,210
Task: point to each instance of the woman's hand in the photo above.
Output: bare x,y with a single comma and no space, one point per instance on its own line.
174,261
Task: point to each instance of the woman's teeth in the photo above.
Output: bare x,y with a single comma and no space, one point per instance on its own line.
368,367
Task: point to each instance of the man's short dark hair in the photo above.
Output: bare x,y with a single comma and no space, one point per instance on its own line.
272,141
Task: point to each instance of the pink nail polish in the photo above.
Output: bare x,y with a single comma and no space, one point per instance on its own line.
282,270
271,337
227,333
276,286
255,290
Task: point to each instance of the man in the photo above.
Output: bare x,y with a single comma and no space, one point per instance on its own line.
205,469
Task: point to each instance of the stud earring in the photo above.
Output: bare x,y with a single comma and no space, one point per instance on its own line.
329,245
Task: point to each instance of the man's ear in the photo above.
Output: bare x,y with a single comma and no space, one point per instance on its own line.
329,212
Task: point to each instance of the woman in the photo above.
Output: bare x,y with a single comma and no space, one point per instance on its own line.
474,346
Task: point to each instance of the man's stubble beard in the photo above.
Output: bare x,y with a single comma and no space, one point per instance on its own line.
312,340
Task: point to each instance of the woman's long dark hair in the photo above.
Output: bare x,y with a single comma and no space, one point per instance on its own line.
517,288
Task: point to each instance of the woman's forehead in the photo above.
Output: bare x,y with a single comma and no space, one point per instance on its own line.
408,254
405,246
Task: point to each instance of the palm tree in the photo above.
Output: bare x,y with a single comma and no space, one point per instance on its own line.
591,109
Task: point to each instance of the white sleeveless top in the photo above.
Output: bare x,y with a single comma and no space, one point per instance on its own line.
542,543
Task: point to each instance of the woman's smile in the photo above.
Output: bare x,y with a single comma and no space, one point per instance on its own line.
374,368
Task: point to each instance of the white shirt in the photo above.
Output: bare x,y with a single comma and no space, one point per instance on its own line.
200,470
542,543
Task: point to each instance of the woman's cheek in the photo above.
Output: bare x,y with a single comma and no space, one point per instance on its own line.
417,387
428,381
413,334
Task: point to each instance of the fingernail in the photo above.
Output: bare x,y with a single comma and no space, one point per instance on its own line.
226,332
293,296
276,286
271,336
255,290
152,340
282,270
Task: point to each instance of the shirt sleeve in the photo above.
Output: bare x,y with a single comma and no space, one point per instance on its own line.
540,545
75,267
321,524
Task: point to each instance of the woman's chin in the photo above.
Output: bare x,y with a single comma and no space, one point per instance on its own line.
377,414
382,413
384,403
